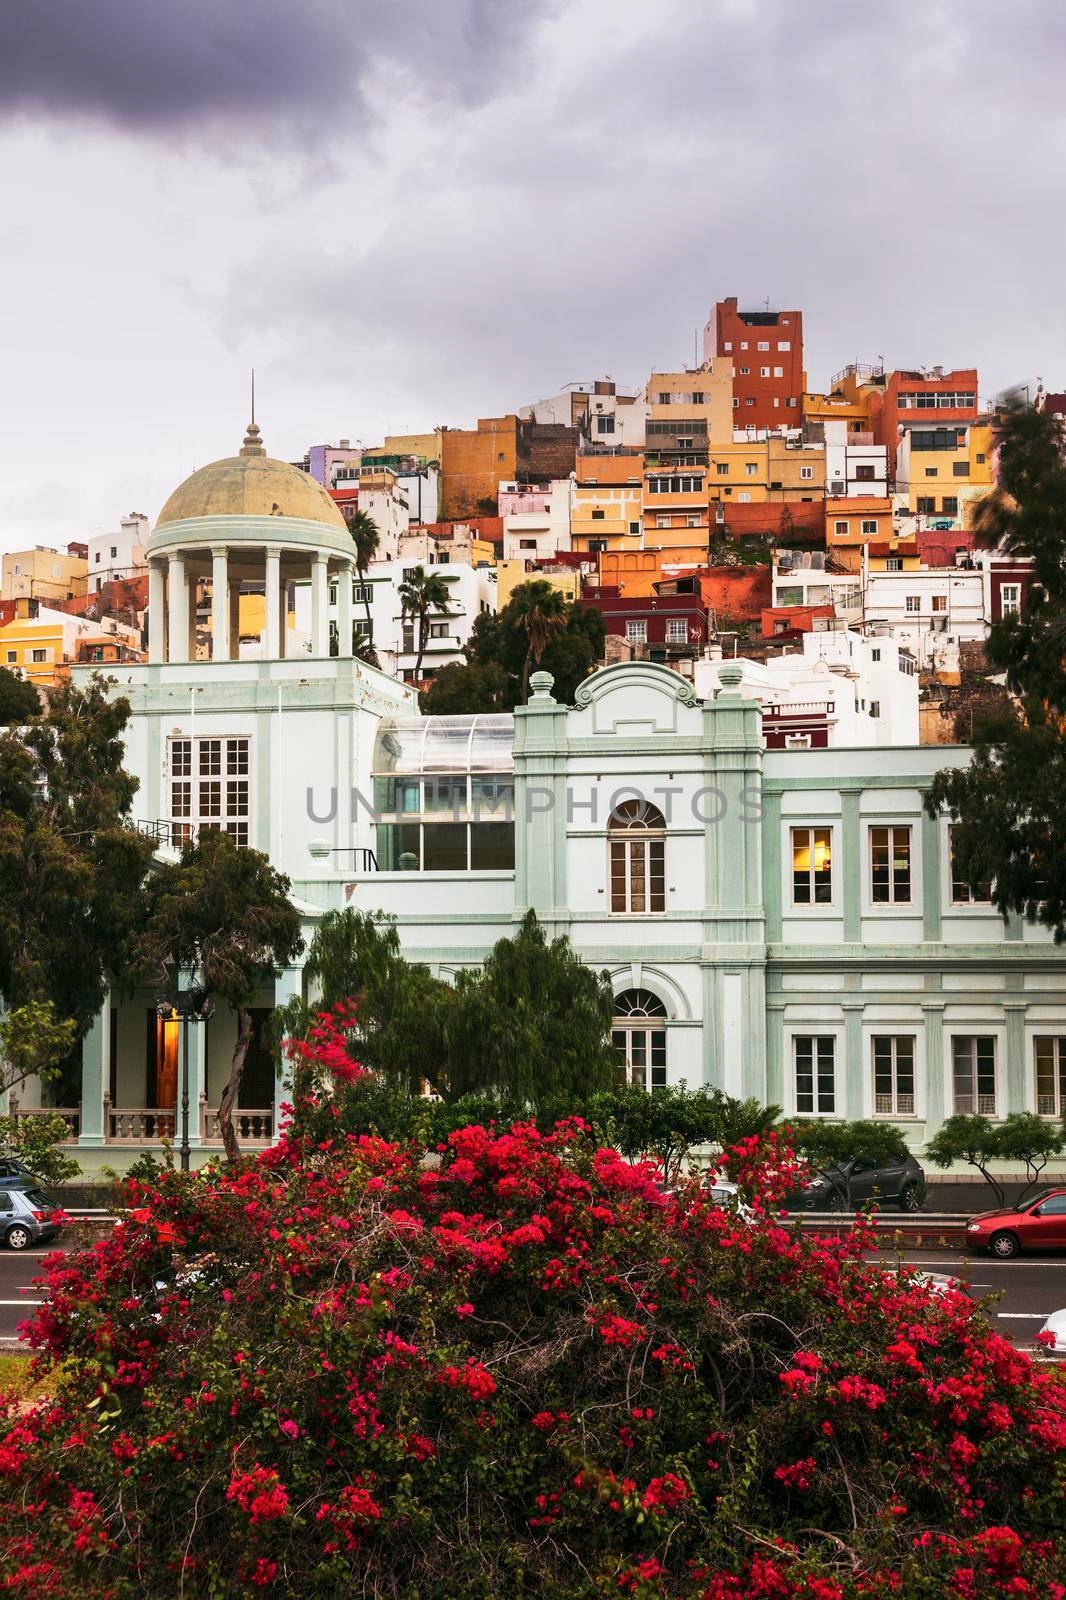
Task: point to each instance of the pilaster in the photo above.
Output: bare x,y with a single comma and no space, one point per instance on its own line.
95,1077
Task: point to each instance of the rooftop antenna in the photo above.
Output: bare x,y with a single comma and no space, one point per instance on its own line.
767,302
253,394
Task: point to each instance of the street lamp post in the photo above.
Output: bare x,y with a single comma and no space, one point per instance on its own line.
192,1005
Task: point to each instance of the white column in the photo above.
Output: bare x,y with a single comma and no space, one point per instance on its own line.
178,644
344,609
274,621
157,609
219,603
319,607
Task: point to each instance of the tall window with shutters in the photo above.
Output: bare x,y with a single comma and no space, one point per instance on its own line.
638,1034
893,1075
973,1067
1050,1076
815,1064
637,859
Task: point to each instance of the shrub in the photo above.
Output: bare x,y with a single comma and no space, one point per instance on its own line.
35,1141
530,1373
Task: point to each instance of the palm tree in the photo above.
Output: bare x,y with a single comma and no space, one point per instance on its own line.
421,593
540,612
366,538
363,650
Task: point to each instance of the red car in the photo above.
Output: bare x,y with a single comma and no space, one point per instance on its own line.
1039,1223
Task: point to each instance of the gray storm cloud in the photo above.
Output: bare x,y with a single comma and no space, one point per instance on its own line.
146,64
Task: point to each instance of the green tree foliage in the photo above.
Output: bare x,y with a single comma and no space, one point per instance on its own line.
71,863
19,702
400,1008
222,913
421,595
1020,1138
827,1144
499,653
35,1141
33,1043
533,1022
668,1123
366,537
1007,804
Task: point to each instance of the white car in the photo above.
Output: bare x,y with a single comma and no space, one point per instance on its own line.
941,1283
1056,1326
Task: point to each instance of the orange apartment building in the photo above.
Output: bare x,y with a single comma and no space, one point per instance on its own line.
473,464
766,351
931,397
851,522
607,509
676,511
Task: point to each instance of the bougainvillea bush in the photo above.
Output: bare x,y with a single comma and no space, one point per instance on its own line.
528,1371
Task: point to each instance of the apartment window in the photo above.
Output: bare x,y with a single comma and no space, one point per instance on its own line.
961,893
439,630
736,402
722,468
604,424
1050,1076
527,544
764,372
813,1056
664,399
1010,599
764,344
639,1038
697,397
950,504
925,505
973,1069
634,527
97,558
875,655
693,520
792,401
980,460
599,514
913,602
812,866
869,526
875,708
637,632
677,630
932,472
779,372
743,344
841,529
637,858
744,371
38,655
751,468
961,469
12,655
784,344
749,401
806,473
744,497
210,787
890,866
893,563
727,345
939,602
360,593
893,1075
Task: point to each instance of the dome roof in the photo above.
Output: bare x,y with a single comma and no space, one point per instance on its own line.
251,484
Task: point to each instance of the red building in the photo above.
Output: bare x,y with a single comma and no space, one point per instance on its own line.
931,396
668,624
766,349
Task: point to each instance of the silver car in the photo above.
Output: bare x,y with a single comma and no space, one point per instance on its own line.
27,1216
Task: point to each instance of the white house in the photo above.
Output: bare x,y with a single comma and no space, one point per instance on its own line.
782,923
119,555
837,689
539,534
854,465
805,578
929,610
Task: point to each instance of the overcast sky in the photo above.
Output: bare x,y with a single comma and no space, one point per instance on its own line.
417,212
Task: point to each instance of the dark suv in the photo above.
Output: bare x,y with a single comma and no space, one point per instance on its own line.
850,1185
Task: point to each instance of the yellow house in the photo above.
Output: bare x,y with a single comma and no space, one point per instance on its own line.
689,411
895,555
796,471
740,472
509,574
606,512
426,445
43,574
943,469
36,644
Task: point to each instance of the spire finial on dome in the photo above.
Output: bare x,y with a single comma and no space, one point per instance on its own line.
253,445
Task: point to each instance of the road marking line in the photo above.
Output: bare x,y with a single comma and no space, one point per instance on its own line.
22,1302
1033,1316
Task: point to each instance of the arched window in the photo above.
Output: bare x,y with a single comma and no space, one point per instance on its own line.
639,1037
637,850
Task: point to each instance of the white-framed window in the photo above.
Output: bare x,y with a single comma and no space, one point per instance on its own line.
439,630
913,603
779,372
812,866
784,344
639,1038
751,469
40,655
1010,599
869,526
677,630
744,497
637,859
890,865
361,593
893,563
841,528
210,787
745,371
973,1072
1050,1053
727,346
764,372
764,344
743,344
939,602
637,632
814,1063
893,1064
961,893
806,473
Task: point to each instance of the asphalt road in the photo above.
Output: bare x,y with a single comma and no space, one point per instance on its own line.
1028,1289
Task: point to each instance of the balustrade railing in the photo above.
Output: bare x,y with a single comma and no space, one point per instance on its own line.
71,1116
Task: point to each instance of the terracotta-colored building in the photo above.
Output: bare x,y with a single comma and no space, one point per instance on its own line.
778,621
774,520
856,520
931,397
766,349
735,595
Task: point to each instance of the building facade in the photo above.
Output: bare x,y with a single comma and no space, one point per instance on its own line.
766,351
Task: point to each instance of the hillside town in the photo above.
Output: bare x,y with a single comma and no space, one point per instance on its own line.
823,536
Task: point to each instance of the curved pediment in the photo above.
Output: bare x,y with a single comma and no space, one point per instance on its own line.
635,699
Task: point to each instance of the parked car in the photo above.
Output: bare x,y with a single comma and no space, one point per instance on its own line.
1038,1223
27,1216
15,1171
1056,1327
850,1185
